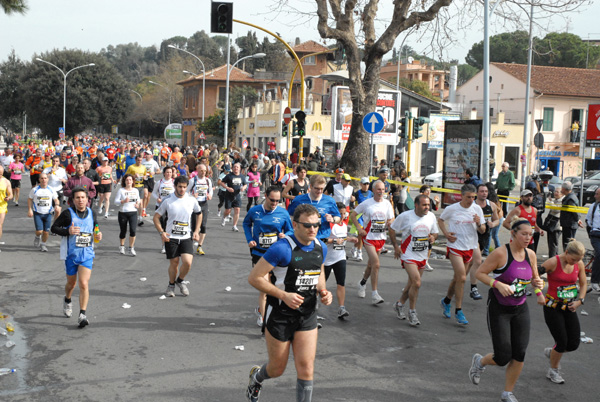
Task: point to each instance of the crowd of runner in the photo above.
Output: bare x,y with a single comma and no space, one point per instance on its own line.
296,228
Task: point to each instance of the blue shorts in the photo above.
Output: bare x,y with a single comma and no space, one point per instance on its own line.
72,265
120,173
42,221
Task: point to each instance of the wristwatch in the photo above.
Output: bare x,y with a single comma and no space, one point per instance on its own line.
582,301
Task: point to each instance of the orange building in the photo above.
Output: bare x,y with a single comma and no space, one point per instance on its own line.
435,79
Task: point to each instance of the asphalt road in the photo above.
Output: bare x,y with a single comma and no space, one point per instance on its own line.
183,349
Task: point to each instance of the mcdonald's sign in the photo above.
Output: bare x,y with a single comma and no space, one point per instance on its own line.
317,126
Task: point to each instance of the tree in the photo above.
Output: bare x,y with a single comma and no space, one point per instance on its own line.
11,107
465,73
418,86
96,96
565,50
133,61
508,47
13,6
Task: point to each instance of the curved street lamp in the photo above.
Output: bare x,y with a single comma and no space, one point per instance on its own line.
203,73
65,86
141,102
170,97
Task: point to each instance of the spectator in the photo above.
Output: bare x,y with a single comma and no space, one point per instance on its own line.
552,224
471,178
593,223
569,221
505,183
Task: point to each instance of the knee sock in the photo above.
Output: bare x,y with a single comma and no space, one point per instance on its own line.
262,374
304,390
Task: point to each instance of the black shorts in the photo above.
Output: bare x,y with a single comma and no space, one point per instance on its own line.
175,247
255,258
149,184
104,188
233,201
15,183
283,327
339,269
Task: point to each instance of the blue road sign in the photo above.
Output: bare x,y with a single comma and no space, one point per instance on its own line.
373,123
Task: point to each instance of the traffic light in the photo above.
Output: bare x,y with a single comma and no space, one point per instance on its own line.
294,129
402,127
221,17
301,117
284,129
418,124
222,127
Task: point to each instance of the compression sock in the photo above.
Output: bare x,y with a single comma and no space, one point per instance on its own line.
457,310
304,390
363,282
262,374
67,300
171,284
473,286
446,300
179,280
82,312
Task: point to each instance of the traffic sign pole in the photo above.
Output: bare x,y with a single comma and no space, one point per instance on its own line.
373,123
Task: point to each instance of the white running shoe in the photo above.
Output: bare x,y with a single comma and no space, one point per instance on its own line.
223,221
183,288
122,250
377,299
162,250
44,248
37,241
359,256
362,290
132,252
67,308
342,313
170,291
82,320
413,320
353,253
428,267
219,213
235,229
554,376
476,369
399,308
106,215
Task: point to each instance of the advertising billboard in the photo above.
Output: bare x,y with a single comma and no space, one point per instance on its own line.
388,105
592,138
462,151
173,133
435,134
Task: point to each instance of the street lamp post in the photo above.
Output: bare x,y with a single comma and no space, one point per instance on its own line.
141,102
203,74
254,56
65,87
170,97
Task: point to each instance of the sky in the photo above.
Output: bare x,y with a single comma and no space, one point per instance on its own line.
93,25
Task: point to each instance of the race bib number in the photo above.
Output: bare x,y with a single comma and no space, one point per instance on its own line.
420,244
518,286
180,228
166,191
106,176
255,184
139,181
265,240
133,196
377,226
339,247
308,280
487,217
83,240
236,181
567,293
43,202
17,171
201,190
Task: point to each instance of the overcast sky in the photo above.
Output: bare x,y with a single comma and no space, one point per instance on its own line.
93,25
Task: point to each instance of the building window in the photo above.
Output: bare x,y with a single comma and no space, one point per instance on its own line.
221,100
477,87
501,86
310,60
186,100
548,119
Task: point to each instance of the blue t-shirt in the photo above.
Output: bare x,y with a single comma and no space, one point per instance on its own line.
129,161
326,205
280,253
264,227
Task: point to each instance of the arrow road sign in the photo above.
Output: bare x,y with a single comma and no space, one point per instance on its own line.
373,123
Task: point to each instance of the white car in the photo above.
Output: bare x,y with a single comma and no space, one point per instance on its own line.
435,179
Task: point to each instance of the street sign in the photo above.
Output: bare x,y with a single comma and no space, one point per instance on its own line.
538,140
202,136
245,144
61,130
592,138
287,115
61,136
373,122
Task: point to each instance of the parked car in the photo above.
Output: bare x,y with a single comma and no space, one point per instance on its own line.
434,179
577,179
590,185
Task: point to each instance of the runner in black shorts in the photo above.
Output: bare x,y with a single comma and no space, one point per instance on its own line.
234,184
177,237
295,266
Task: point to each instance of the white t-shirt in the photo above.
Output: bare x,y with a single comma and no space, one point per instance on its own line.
415,234
375,217
459,220
179,211
336,252
54,179
151,167
133,196
342,194
163,189
43,199
201,188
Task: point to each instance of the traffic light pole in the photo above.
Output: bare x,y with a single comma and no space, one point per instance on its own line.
409,138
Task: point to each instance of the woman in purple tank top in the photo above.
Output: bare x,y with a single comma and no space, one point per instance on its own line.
513,267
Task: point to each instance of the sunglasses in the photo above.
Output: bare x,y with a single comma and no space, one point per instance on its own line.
309,225
272,200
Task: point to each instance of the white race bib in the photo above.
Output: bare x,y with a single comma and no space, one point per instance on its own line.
83,240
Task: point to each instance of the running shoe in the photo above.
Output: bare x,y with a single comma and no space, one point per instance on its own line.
100,210
428,267
132,252
223,221
200,251
384,250
475,294
219,213
170,291
235,229
141,222
342,313
446,308
122,250
67,308
362,290
460,318
16,204
377,299
508,397
554,376
259,317
37,241
253,391
43,248
183,288
106,215
476,369
548,352
82,320
354,253
399,309
596,287
162,250
413,320
359,256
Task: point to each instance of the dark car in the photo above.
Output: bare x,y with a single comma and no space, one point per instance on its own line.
577,179
590,185
554,183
